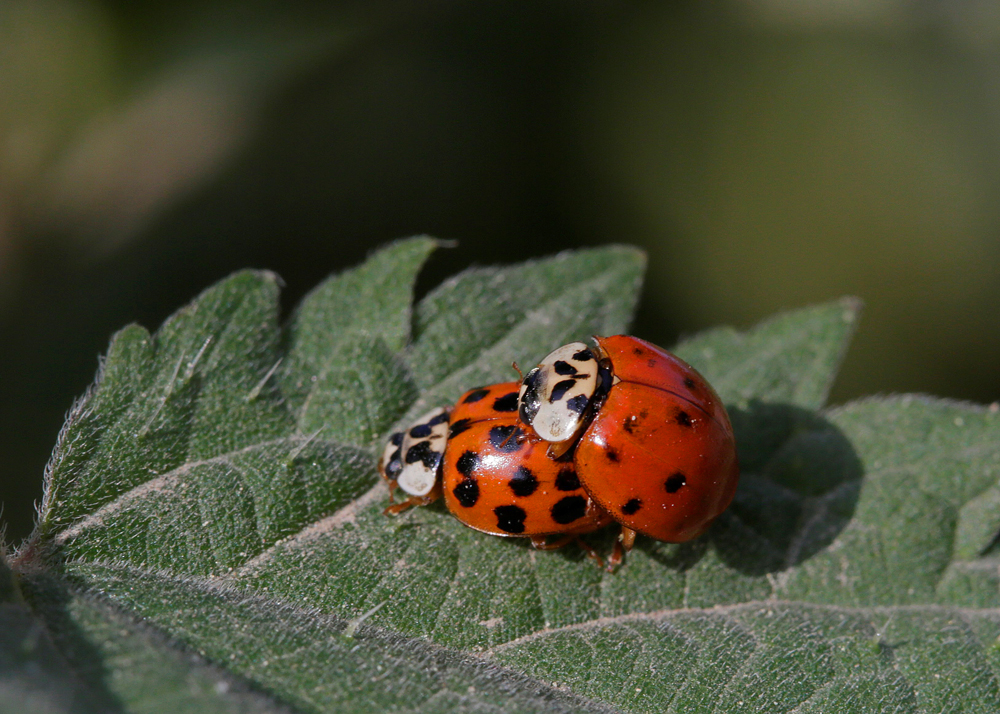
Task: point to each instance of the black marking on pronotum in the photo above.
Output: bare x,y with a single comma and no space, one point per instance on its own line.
425,453
458,427
524,482
530,402
675,482
467,492
683,418
583,356
510,518
567,480
421,431
578,403
439,419
604,383
467,463
631,506
506,403
396,439
564,368
568,509
506,438
559,391
394,465
475,396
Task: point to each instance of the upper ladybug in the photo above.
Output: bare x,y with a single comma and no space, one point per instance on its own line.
653,445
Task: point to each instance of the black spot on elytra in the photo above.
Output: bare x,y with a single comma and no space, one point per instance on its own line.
583,356
568,509
674,483
683,418
423,452
630,423
506,438
524,482
396,439
651,363
475,396
612,455
578,403
637,350
560,389
467,463
510,518
467,492
529,400
421,431
690,383
506,403
564,368
567,480
633,505
458,427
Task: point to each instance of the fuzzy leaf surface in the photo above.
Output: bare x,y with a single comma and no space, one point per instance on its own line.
203,445
856,570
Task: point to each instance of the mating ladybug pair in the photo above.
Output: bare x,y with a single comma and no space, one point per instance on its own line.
623,431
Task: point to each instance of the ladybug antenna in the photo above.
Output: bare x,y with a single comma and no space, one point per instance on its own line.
518,370
517,432
598,350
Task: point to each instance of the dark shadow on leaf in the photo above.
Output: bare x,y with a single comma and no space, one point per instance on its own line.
676,556
798,488
51,601
799,484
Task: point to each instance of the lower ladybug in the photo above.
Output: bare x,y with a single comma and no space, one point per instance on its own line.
495,475
649,437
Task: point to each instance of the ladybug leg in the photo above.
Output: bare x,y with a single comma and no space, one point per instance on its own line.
624,543
591,553
393,485
394,509
519,437
542,543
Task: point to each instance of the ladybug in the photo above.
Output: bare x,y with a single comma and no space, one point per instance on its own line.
495,475
649,437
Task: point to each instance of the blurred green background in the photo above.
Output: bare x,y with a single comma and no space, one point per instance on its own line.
766,154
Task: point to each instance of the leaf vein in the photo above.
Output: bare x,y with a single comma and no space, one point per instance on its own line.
159,483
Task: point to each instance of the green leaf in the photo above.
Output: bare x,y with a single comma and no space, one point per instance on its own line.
34,677
108,660
315,662
203,446
342,343
857,569
470,329
791,358
185,395
57,660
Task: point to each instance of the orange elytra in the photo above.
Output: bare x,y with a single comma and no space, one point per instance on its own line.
650,438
